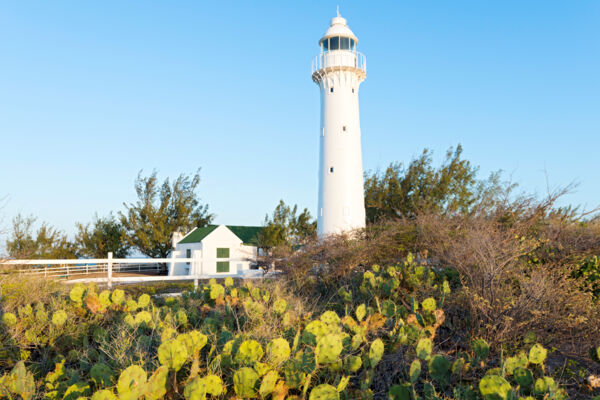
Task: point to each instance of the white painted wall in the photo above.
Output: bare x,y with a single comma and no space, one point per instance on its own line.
341,197
240,255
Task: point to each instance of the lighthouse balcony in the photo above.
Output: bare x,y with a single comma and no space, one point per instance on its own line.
339,60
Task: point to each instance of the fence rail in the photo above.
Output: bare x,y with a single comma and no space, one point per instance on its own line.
101,270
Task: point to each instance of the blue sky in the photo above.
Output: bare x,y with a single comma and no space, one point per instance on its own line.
92,92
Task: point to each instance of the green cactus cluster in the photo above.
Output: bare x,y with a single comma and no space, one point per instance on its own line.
213,342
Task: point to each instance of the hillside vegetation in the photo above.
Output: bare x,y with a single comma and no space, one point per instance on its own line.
392,332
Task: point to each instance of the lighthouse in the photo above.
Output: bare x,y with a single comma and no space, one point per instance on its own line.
338,70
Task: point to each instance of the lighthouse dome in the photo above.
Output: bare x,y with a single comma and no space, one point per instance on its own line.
338,28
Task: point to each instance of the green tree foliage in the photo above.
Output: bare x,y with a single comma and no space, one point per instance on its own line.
160,210
401,191
284,227
45,243
103,235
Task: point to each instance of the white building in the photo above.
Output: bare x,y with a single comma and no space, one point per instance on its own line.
219,249
338,70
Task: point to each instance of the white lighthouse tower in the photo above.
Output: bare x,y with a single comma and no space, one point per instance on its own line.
338,70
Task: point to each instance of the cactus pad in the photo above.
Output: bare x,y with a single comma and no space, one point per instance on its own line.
104,395
244,382
172,354
329,348
537,354
131,383
494,387
9,319
59,318
101,375
324,392
278,350
249,352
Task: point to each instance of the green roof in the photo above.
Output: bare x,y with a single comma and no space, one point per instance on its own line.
248,234
198,234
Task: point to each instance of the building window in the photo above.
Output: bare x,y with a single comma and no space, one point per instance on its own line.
188,254
334,43
345,43
331,170
344,128
331,90
222,266
222,252
352,90
325,45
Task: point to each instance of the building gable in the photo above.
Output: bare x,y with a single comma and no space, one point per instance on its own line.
247,234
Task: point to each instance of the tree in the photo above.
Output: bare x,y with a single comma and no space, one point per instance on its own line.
46,243
103,235
287,228
400,191
161,210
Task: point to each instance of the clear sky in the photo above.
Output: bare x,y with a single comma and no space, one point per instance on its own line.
92,92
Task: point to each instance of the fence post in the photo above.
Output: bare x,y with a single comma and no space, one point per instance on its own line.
109,269
195,265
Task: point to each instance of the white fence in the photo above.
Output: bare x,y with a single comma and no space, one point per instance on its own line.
83,269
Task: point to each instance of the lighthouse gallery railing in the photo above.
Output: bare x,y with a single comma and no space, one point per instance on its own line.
339,58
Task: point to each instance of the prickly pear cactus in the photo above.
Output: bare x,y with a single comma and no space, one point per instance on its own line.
537,354
143,301
156,387
143,317
424,348
216,291
523,377
267,386
313,331
228,281
9,319
388,308
429,304
278,351
76,294
249,352
244,382
196,389
512,363
329,348
376,352
193,341
481,349
361,312
439,369
20,381
104,395
214,385
401,392
172,354
131,383
77,391
494,387
279,306
104,298
324,392
59,318
330,318
118,296
181,317
101,375
415,371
